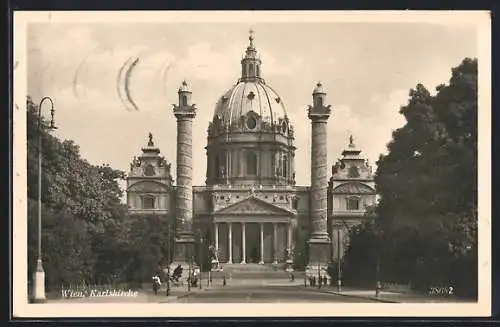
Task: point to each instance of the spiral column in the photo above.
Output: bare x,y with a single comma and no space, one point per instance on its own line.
319,242
185,113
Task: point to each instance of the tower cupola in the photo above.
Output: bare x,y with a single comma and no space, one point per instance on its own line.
319,95
184,94
251,63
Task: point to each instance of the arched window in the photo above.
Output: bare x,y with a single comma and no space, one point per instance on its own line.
148,202
353,172
319,102
216,166
284,165
149,170
273,162
184,100
251,72
258,70
352,203
251,163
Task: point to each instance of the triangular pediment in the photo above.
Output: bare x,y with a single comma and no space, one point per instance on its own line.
353,188
147,186
254,205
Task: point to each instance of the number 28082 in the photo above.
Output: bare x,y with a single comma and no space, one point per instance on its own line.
443,291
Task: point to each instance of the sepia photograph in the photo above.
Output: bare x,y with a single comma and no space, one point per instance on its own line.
251,164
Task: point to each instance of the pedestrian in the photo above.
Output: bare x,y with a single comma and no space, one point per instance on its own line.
293,277
224,281
325,281
320,280
156,283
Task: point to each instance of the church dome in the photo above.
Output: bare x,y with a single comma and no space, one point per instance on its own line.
250,94
250,140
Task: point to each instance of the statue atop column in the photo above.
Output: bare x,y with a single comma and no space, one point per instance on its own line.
150,142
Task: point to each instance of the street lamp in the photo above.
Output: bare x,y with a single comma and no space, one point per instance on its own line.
200,254
190,272
169,247
378,286
339,268
39,277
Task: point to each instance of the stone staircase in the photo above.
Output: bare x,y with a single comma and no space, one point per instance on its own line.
255,271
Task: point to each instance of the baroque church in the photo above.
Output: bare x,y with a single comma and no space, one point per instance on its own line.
250,205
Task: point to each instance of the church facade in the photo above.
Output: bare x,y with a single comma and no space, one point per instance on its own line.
250,205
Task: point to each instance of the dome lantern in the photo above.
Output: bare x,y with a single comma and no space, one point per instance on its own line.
319,95
184,94
251,63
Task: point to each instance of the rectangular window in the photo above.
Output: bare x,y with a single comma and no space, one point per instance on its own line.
352,204
148,202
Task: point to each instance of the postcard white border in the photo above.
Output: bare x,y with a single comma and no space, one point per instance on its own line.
21,308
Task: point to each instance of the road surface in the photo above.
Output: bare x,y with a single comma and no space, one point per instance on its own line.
266,294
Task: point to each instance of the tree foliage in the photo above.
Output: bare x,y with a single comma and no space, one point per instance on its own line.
426,228
82,214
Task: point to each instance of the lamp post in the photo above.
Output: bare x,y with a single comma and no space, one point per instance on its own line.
189,273
168,257
319,274
39,277
378,285
200,253
339,268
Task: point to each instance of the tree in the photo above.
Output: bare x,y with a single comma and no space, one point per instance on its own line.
148,245
428,188
81,208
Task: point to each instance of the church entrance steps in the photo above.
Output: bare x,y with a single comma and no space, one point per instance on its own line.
255,271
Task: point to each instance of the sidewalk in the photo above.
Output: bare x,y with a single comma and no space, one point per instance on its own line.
391,297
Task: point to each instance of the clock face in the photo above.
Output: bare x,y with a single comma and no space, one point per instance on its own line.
251,122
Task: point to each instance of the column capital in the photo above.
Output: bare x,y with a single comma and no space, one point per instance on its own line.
319,113
182,113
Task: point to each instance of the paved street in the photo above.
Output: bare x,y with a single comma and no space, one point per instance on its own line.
261,291
265,294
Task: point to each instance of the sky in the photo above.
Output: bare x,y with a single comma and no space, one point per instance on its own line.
367,70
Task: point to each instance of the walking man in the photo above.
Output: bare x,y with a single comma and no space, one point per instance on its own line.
156,283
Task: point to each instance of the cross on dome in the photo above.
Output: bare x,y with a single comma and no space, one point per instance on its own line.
351,141
251,31
150,142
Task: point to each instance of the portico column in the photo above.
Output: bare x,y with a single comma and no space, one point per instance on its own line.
289,241
217,239
275,243
230,243
261,243
243,242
